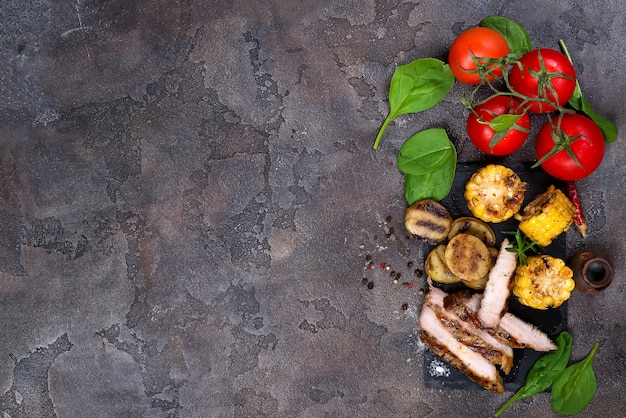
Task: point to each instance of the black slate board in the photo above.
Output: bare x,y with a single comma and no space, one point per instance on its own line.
439,374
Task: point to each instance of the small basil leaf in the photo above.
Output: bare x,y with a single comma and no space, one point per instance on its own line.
424,151
503,123
514,33
415,87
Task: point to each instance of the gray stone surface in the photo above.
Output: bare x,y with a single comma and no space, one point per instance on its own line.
189,193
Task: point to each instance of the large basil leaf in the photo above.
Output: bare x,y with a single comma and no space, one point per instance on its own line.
425,151
416,87
544,371
574,388
435,184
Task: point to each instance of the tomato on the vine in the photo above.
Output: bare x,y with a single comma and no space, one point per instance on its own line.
503,141
546,75
476,43
574,135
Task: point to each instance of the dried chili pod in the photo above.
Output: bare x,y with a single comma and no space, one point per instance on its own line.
579,220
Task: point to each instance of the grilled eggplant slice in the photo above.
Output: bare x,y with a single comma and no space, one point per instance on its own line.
473,226
428,220
467,257
436,268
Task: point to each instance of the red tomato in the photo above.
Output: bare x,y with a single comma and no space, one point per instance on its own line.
584,139
481,43
481,134
544,70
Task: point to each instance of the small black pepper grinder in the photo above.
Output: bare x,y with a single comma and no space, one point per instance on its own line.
592,270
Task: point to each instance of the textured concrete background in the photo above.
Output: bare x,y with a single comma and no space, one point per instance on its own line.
189,193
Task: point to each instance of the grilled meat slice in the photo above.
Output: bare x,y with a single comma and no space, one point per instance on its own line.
511,330
479,340
472,364
526,335
494,302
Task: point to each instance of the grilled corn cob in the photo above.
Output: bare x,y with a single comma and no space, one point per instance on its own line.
547,216
494,193
545,282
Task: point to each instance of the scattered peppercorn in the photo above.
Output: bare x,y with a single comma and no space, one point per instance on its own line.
398,275
419,272
392,274
370,285
409,264
368,257
388,219
405,306
364,280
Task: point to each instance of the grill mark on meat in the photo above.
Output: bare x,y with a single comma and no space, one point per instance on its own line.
479,340
511,330
525,334
477,368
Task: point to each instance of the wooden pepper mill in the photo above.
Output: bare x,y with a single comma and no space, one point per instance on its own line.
592,270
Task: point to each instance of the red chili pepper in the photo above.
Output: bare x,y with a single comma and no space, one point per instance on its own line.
579,220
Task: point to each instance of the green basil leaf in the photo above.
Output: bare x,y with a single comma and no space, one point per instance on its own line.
514,33
544,371
575,387
415,87
503,123
579,103
608,128
433,185
419,85
550,365
425,151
